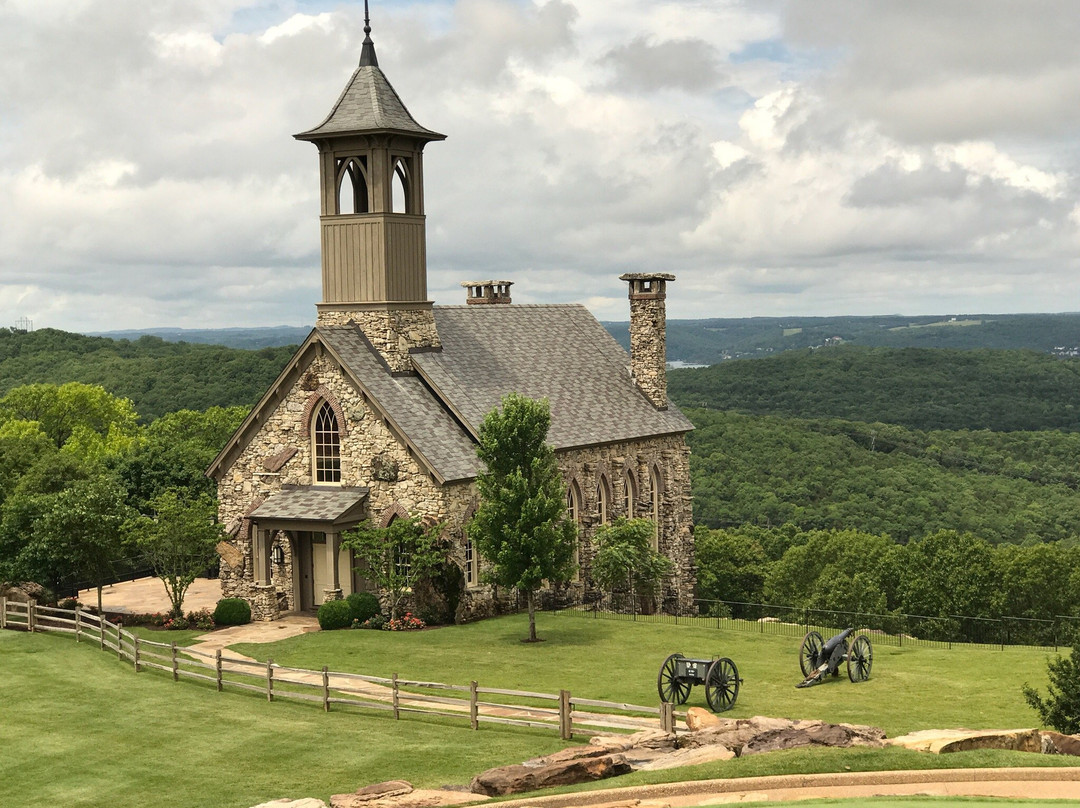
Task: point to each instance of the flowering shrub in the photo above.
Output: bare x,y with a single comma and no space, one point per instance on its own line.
176,623
375,622
202,620
406,623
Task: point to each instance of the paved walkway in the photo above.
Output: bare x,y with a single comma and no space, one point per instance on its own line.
1030,783
147,596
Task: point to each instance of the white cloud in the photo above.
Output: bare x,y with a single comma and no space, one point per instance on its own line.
781,157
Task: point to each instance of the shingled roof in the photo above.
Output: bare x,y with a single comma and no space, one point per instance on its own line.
369,104
557,352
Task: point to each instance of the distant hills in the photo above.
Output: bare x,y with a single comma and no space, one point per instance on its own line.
707,342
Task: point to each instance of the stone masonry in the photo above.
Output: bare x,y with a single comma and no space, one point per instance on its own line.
392,331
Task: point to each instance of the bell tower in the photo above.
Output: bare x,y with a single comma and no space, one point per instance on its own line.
374,242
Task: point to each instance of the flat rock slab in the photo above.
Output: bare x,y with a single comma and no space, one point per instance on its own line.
1054,743
685,757
517,779
943,741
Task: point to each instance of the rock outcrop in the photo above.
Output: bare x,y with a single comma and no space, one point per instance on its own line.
944,741
517,779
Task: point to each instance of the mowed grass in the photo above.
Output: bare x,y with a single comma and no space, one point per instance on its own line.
909,688
82,729
78,728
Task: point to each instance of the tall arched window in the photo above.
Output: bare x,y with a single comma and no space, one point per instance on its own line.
573,513
326,445
603,507
656,483
629,493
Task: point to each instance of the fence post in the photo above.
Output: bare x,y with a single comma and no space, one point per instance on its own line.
101,630
175,665
566,730
78,622
269,680
397,715
474,708
137,668
667,716
217,667
31,617
3,613
325,689
120,641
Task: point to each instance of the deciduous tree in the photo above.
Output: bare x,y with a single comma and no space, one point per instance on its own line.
397,556
521,528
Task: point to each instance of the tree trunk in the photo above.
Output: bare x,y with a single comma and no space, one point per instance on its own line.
532,615
100,611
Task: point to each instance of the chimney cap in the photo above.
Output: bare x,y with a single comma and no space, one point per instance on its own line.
647,276
467,284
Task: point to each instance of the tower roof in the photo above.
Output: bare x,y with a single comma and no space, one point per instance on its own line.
369,104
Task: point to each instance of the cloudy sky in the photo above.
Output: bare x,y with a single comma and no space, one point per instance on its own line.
780,156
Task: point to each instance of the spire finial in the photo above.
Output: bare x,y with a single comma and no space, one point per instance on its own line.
367,55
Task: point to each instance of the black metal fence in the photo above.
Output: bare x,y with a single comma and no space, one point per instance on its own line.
888,629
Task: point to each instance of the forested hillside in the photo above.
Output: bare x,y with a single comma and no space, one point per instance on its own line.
157,376
707,342
916,387
883,479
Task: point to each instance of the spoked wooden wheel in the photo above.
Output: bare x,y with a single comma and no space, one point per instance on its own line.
810,653
860,659
722,685
671,688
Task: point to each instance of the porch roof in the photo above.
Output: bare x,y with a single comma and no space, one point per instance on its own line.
311,503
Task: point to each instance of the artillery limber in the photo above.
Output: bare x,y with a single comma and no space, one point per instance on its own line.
720,677
818,659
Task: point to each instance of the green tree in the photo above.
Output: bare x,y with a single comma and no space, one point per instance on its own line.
732,564
82,529
178,541
625,557
397,557
72,410
1061,707
521,528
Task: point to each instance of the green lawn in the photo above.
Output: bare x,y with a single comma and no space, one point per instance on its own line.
909,688
82,729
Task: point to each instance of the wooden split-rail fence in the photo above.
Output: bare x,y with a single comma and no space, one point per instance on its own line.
566,713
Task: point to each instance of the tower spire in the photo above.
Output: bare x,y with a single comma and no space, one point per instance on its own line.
367,55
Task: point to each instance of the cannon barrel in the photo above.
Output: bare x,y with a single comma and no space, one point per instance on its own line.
833,642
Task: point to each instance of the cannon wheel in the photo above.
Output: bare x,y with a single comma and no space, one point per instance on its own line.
810,653
722,685
672,689
860,659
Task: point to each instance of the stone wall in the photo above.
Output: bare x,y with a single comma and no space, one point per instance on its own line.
393,332
648,346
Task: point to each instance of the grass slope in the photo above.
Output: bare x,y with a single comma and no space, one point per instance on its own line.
80,729
909,689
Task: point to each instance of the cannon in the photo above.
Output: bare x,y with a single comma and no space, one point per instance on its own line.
720,677
817,659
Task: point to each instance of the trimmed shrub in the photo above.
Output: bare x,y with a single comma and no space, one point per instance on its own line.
232,612
364,605
335,614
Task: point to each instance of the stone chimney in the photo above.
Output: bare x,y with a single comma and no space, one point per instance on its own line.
482,293
648,340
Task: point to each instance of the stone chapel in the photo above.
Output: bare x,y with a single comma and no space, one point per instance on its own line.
375,417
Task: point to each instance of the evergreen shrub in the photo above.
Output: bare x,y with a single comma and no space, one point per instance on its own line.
363,605
232,612
335,614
